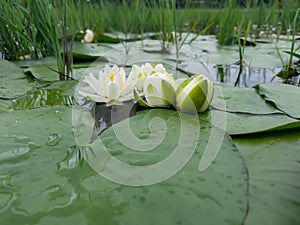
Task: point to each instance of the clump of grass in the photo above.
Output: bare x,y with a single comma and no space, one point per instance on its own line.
226,26
16,31
42,28
36,28
162,22
52,30
242,46
288,70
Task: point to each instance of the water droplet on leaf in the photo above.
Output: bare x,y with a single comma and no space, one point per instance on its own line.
54,139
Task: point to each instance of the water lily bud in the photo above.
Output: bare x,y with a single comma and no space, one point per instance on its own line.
89,36
159,90
142,72
194,94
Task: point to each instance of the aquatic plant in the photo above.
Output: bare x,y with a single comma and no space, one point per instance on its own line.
111,87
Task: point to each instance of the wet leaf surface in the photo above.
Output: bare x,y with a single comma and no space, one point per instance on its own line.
57,93
186,197
44,69
284,96
43,184
238,123
13,82
242,100
47,160
273,162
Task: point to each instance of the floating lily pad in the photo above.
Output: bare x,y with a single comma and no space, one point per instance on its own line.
13,82
185,198
44,69
32,143
89,51
43,177
244,100
58,93
273,164
238,123
4,105
284,96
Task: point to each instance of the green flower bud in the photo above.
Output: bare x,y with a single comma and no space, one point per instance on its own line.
194,94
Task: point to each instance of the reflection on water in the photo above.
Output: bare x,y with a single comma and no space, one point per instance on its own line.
228,74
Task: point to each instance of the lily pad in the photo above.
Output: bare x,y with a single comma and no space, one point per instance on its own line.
284,96
239,123
44,69
243,100
89,51
32,143
58,93
186,197
42,178
5,105
273,163
13,82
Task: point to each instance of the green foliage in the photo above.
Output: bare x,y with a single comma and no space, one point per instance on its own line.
37,29
47,174
16,30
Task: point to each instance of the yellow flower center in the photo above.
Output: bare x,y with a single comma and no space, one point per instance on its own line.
112,77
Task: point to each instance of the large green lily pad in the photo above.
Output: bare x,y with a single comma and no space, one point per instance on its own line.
43,181
243,100
273,163
284,96
13,82
57,93
239,123
216,195
4,105
44,69
88,51
32,143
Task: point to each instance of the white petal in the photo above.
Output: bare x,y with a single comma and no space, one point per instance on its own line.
133,75
147,68
159,68
93,97
140,83
115,69
127,89
153,92
93,82
113,91
107,70
103,86
126,97
120,78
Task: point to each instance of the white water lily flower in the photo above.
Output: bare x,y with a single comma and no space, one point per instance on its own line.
89,36
111,87
142,72
159,90
194,94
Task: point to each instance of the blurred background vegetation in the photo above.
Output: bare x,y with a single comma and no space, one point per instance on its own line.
42,28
